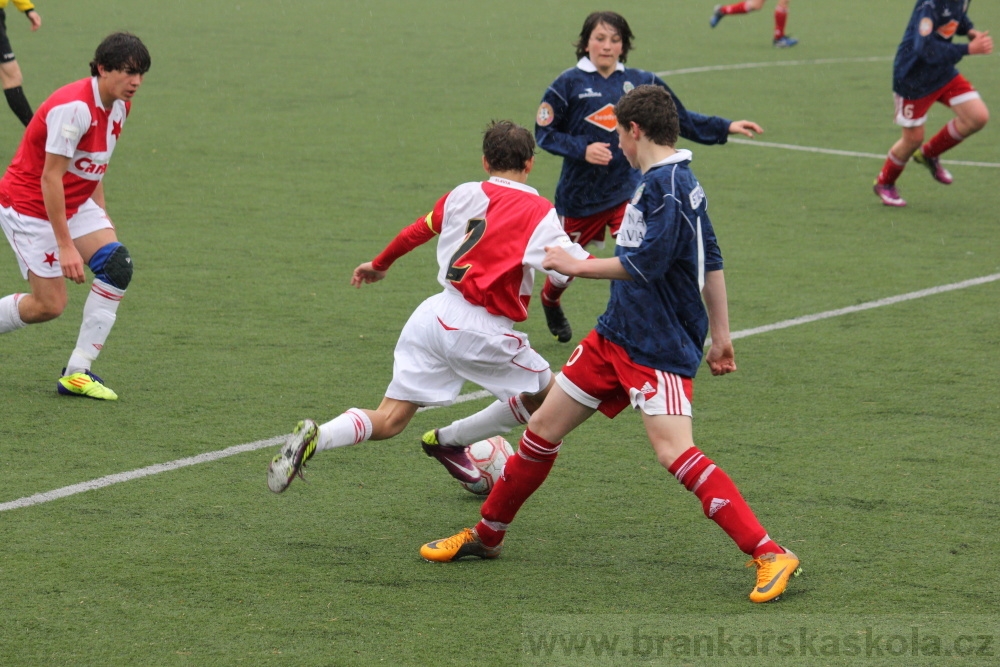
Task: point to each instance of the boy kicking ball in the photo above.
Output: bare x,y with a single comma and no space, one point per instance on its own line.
644,351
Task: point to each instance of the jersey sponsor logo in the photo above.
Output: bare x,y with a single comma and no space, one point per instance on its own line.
545,115
697,196
589,92
628,86
949,29
638,194
633,229
87,166
926,27
604,118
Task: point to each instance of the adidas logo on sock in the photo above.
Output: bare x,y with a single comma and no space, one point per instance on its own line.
717,504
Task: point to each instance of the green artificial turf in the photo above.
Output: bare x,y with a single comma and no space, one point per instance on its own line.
276,145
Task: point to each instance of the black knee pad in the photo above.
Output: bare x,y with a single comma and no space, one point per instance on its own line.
115,266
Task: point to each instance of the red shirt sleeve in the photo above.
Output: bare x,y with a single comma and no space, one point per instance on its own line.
419,232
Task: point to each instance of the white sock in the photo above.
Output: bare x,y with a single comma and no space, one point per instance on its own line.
98,318
10,317
350,428
495,419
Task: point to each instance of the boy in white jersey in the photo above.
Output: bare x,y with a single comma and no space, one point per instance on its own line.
52,207
492,238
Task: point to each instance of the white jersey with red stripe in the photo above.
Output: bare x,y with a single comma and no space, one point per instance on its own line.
493,236
72,123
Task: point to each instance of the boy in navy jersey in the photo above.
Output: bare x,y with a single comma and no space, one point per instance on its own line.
924,73
645,349
576,121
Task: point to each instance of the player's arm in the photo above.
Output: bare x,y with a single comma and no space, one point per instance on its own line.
932,47
28,8
549,234
721,357
54,198
700,128
551,123
414,235
608,268
980,43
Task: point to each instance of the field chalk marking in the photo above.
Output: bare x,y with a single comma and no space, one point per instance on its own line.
792,63
834,151
102,482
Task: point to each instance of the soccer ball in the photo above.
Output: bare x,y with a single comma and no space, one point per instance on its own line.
490,456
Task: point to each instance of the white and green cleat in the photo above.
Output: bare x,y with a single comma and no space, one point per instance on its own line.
84,384
289,462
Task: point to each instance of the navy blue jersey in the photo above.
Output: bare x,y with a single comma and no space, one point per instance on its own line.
926,58
578,110
667,244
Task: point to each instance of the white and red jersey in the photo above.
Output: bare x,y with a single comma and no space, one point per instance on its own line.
492,238
72,123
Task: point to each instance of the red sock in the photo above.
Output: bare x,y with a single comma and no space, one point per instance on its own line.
738,8
946,139
551,294
780,18
891,170
523,474
722,502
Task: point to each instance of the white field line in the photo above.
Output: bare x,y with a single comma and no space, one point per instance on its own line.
777,63
102,482
834,151
791,63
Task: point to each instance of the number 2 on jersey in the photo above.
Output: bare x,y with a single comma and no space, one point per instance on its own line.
473,233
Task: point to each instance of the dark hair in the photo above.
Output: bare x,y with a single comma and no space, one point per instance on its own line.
616,21
122,52
507,146
653,110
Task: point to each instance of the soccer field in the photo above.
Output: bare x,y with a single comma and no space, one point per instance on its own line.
276,145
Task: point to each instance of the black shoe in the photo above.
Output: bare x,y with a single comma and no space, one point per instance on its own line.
558,324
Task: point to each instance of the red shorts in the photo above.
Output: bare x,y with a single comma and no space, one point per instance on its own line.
591,228
913,113
600,375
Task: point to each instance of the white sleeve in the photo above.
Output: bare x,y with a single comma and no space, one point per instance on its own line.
66,123
550,232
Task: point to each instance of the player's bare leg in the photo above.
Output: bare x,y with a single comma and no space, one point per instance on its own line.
47,300
970,117
11,79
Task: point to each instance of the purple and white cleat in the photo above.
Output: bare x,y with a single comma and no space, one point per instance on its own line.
933,164
455,459
889,195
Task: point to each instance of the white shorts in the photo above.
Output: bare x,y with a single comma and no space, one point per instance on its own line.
447,341
34,242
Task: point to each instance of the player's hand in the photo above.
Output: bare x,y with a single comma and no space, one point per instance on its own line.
366,273
557,259
981,44
721,358
598,153
745,127
35,18
71,263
